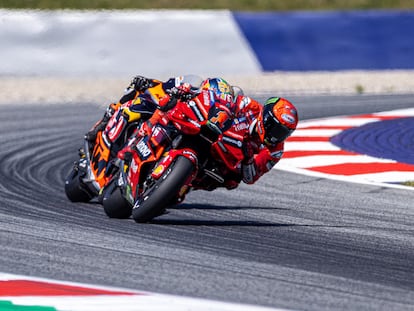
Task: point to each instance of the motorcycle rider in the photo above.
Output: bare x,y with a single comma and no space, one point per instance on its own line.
264,129
268,127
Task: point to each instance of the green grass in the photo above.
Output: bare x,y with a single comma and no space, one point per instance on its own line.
238,5
409,183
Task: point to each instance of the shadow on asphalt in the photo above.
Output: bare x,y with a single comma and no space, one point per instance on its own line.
223,223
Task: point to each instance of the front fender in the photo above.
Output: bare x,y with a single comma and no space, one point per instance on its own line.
170,157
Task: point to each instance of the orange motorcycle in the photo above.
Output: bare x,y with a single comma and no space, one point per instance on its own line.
94,168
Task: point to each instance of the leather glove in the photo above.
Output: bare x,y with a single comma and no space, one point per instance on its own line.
140,83
210,132
248,149
166,103
248,167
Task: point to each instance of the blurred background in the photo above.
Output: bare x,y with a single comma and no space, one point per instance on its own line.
295,47
237,5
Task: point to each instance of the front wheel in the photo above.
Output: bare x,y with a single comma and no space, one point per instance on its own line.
114,203
75,189
155,199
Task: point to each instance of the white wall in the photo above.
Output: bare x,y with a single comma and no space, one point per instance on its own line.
122,43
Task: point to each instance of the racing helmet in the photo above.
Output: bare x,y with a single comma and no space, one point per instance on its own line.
277,121
220,87
237,91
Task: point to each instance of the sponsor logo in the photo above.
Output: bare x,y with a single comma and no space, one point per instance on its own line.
195,109
232,141
240,120
241,126
195,123
206,97
158,171
288,118
143,149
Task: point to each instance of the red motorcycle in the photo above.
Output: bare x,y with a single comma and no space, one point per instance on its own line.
174,151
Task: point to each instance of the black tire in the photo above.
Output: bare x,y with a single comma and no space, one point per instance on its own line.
114,203
75,190
158,197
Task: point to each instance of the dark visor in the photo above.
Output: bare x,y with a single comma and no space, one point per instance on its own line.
275,132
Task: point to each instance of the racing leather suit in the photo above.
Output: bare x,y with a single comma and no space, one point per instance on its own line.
262,157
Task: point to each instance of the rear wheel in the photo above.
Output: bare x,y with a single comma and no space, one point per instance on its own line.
75,190
155,199
114,203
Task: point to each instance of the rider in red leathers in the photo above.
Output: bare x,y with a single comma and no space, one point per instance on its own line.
263,130
268,126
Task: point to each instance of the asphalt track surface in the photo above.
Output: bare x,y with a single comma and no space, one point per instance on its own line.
289,241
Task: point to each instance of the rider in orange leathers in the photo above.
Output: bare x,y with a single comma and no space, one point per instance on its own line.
132,106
